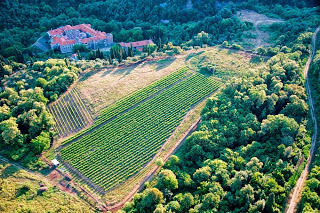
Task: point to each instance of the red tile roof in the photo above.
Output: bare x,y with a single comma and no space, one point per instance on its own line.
56,31
67,27
137,44
96,35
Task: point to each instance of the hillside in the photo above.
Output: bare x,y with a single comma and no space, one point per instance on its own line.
158,106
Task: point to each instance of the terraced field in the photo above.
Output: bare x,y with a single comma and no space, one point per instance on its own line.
70,114
129,133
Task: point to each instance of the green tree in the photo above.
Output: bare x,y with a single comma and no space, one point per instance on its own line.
167,180
41,143
187,201
202,174
11,134
150,198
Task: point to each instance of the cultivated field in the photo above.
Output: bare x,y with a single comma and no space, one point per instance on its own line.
70,114
121,147
128,102
137,124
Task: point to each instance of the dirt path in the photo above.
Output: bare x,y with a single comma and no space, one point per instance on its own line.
295,199
256,19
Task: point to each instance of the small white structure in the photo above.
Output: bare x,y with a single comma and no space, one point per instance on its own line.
55,162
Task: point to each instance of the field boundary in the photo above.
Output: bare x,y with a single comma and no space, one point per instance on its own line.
114,117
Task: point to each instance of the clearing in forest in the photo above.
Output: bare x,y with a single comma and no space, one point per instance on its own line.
259,38
102,88
120,147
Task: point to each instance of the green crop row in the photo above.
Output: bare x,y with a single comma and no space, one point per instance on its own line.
121,147
69,113
135,98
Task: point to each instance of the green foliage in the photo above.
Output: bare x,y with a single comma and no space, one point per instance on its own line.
117,52
96,54
236,47
41,142
310,197
25,123
244,153
41,82
201,39
167,180
149,199
150,48
80,48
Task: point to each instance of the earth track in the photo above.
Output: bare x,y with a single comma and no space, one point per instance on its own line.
295,199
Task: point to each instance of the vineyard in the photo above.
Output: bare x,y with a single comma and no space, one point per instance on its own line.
134,99
129,133
70,114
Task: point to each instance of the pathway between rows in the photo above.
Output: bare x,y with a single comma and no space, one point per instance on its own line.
295,199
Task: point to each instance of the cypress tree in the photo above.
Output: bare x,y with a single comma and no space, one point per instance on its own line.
19,55
110,59
66,61
269,204
131,51
79,55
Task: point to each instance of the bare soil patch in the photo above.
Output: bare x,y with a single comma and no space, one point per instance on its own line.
257,19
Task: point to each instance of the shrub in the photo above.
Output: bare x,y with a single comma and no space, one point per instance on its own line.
236,47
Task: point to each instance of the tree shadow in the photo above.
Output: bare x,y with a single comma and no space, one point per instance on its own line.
191,55
164,63
23,190
86,76
257,60
231,51
9,171
125,70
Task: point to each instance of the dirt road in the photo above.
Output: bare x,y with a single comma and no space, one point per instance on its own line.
295,199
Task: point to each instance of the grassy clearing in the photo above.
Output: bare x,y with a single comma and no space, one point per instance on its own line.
20,193
256,37
226,62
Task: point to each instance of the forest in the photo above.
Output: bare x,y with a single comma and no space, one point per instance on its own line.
26,21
